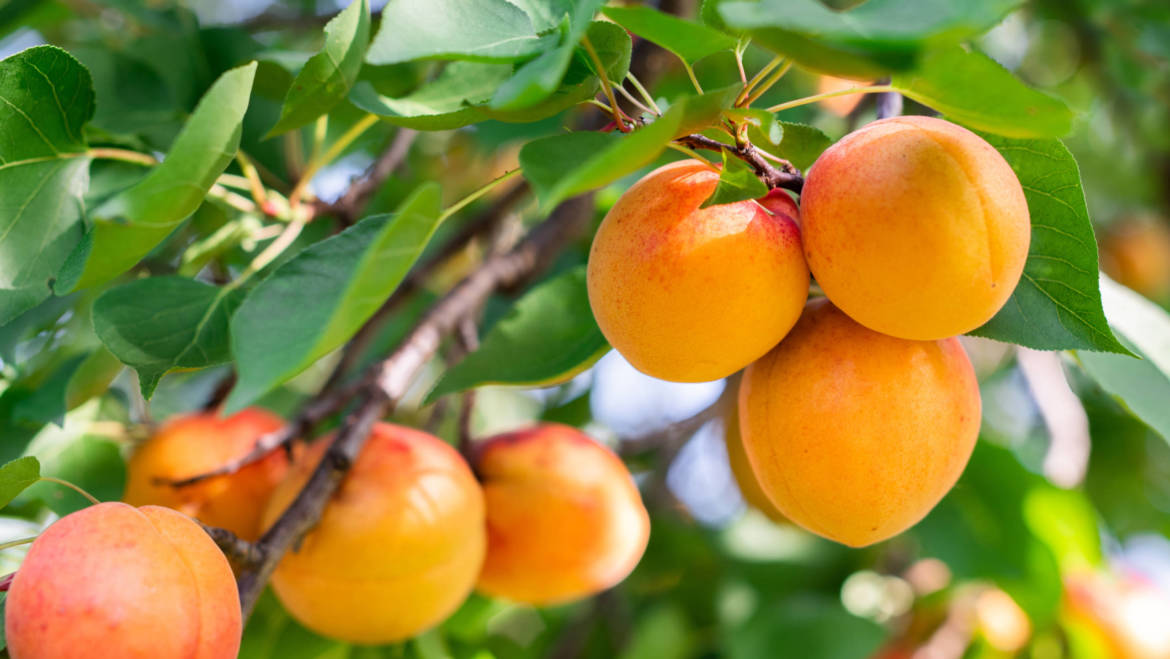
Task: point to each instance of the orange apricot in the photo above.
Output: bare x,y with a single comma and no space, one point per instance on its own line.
915,227
693,294
112,580
564,517
1136,252
853,434
193,444
741,468
398,547
839,105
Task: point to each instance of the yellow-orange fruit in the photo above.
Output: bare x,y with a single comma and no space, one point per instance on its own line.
398,547
1136,252
915,227
689,294
112,580
741,467
839,105
194,444
853,434
564,517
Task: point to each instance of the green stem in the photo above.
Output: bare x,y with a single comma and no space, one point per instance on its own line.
16,543
767,84
690,152
876,89
481,191
760,75
87,495
316,163
691,75
125,155
606,85
645,94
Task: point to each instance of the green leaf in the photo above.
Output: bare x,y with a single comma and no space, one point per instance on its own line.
129,225
48,98
319,298
737,182
16,476
548,337
563,166
159,323
973,89
1057,304
484,30
71,453
799,144
47,402
1141,385
866,42
327,77
810,627
689,40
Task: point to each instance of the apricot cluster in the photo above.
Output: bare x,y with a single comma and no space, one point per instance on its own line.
857,412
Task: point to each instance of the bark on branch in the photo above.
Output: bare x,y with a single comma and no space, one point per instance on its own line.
785,176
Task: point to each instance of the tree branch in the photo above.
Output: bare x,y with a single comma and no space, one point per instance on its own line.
349,207
387,381
786,176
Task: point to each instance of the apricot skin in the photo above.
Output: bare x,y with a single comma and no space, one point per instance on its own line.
398,547
193,444
856,435
689,294
741,468
117,581
564,517
915,227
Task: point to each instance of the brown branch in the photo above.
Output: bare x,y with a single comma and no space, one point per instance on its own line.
786,176
676,434
238,551
349,207
387,381
469,340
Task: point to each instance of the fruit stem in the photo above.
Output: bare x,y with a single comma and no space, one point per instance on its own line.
645,94
317,161
691,75
253,178
751,84
875,89
16,543
49,479
606,86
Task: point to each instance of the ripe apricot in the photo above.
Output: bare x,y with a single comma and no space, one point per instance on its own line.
915,227
839,105
564,517
194,444
689,294
112,580
1136,252
398,547
853,434
741,467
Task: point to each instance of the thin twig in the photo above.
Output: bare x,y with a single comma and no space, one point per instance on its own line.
786,177
350,205
468,341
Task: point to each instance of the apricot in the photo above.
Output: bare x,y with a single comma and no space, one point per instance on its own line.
112,580
689,294
397,549
564,518
915,227
1122,614
839,105
194,444
1136,252
741,468
853,434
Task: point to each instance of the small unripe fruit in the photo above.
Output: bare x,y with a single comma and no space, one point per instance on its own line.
915,227
689,294
564,517
194,444
112,580
853,434
398,547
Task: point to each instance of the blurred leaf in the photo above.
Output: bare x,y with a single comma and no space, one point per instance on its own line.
316,301
873,38
1057,304
159,323
1066,522
484,30
134,98
327,76
663,632
72,453
272,634
564,166
973,89
47,403
44,173
17,475
813,627
689,40
128,226
737,182
1141,384
549,337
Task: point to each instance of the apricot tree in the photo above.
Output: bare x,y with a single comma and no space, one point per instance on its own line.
322,299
